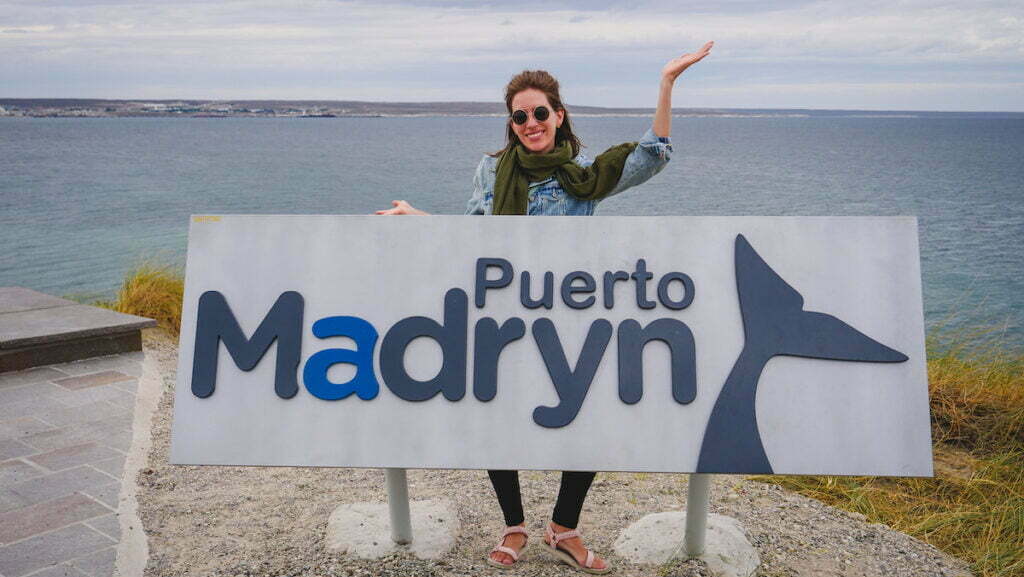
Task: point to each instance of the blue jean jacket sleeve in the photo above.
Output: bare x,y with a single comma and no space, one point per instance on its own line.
652,153
476,204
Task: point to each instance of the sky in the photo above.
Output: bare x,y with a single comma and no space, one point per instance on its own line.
890,55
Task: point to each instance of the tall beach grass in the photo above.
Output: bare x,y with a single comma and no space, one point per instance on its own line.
154,291
974,506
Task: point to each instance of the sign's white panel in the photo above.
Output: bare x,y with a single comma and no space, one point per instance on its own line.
768,344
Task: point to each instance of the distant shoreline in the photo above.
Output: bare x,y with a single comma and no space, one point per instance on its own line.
103,108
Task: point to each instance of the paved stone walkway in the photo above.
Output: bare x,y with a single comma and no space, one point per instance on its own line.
65,431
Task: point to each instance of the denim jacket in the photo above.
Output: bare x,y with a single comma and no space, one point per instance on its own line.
548,198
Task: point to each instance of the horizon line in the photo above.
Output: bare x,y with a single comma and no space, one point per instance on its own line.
499,103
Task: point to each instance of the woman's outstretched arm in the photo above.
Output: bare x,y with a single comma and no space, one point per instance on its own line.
671,71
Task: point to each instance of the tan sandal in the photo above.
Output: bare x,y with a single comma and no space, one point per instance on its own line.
551,546
508,550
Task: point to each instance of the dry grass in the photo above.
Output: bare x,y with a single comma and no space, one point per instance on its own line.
974,507
977,401
152,291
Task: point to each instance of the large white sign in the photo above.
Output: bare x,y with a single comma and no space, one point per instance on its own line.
677,344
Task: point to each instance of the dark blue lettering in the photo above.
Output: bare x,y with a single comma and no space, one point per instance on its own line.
547,298
609,286
568,289
571,385
687,290
451,379
482,283
679,339
216,323
641,276
489,340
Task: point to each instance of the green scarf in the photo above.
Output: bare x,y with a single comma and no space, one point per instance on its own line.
517,168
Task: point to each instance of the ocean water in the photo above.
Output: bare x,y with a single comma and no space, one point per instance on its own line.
82,200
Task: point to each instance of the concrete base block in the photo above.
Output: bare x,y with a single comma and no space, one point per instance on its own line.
658,538
364,530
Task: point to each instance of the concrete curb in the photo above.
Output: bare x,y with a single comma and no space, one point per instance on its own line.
133,550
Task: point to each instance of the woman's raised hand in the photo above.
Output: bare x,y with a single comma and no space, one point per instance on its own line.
663,114
401,207
676,66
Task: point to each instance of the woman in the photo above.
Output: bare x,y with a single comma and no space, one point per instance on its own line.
541,171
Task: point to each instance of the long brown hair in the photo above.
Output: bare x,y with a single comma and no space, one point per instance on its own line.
546,83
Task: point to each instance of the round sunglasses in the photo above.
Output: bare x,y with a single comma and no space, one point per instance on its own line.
541,113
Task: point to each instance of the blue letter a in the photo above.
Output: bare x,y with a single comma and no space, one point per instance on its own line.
364,384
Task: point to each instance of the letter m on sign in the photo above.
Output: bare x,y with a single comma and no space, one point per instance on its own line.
215,323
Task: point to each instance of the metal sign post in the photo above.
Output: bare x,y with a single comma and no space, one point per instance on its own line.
697,495
697,499
398,505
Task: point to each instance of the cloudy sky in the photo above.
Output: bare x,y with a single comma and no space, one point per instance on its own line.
899,55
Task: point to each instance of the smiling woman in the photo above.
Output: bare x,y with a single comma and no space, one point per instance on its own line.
541,171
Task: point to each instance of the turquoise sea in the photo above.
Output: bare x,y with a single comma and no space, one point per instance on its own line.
82,200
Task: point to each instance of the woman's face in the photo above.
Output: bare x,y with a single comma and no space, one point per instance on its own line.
536,136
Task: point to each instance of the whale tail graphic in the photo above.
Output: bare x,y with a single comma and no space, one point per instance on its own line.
774,323
774,320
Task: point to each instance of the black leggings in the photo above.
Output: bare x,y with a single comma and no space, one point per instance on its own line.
571,494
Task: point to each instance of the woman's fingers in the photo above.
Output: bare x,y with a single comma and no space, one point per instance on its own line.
400,207
395,210
698,55
703,49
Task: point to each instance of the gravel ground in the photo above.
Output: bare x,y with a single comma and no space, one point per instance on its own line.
271,521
